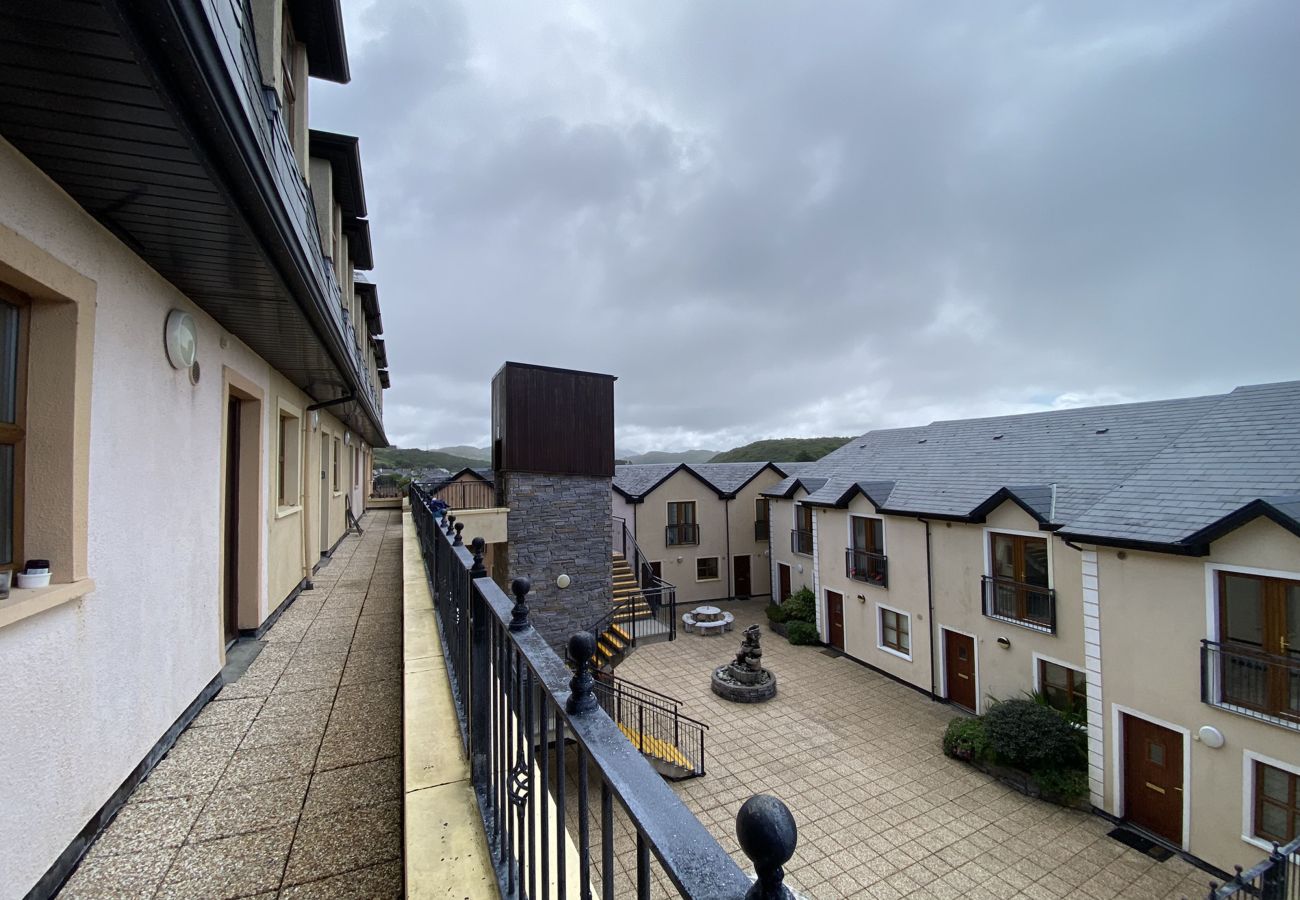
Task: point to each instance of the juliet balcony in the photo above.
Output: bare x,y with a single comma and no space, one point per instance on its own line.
865,566
1027,605
1248,681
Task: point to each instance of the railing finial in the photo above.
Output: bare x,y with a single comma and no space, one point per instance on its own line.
582,644
519,612
767,833
479,547
451,520
457,542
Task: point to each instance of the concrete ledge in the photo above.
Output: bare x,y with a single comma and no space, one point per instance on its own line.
446,850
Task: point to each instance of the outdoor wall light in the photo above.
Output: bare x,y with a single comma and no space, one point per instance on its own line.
1004,643
1210,736
861,599
315,419
181,339
347,439
563,581
799,567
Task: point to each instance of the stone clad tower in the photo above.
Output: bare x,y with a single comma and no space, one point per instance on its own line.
553,459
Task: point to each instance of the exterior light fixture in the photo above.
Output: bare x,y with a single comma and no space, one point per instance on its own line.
563,581
181,339
1210,736
1004,643
799,567
861,599
315,419
347,439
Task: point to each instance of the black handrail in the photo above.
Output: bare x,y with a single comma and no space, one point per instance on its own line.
801,541
683,534
655,721
520,708
1251,681
660,595
865,565
1027,605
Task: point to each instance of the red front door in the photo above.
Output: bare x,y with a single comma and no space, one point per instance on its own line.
959,669
835,619
783,573
1153,778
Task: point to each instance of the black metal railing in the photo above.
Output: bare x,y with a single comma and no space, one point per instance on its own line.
682,535
801,541
539,746
1027,605
654,723
863,565
762,530
1274,878
462,494
1246,680
643,617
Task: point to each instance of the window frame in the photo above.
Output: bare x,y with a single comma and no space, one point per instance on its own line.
800,509
336,465
1040,682
669,509
717,568
1250,799
900,615
15,434
289,485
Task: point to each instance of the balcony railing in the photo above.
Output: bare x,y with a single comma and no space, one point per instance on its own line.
801,541
1249,681
685,534
1027,605
550,768
762,530
863,565
1274,878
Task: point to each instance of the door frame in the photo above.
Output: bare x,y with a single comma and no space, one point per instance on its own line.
323,514
790,578
749,568
1117,713
826,596
943,664
251,512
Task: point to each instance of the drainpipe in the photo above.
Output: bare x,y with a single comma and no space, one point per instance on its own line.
726,510
929,595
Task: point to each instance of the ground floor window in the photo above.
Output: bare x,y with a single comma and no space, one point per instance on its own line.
1064,688
1277,803
895,631
706,568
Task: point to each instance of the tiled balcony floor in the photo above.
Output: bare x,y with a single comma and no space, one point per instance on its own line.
882,813
288,783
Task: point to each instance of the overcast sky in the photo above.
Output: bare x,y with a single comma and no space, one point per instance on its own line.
820,218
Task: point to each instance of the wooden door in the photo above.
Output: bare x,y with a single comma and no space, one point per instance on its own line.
835,619
230,600
740,567
783,573
959,669
1153,778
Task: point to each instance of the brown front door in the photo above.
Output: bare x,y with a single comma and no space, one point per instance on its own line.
835,619
959,669
783,573
740,566
1153,778
230,604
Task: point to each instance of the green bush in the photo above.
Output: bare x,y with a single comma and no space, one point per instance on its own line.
1067,785
777,614
801,606
802,633
1028,736
965,739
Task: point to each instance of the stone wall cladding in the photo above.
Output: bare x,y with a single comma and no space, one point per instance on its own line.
560,524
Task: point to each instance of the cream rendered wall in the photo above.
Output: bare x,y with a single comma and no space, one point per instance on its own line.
801,567
1155,610
101,679
959,560
742,532
905,590
652,518
624,510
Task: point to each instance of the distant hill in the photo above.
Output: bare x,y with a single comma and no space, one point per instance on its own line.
397,457
669,456
783,450
483,454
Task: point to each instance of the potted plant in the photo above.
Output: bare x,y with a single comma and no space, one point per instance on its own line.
35,574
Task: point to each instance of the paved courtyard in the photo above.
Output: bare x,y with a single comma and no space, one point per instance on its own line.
882,813
288,783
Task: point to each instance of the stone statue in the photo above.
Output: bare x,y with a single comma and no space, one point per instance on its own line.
744,680
751,655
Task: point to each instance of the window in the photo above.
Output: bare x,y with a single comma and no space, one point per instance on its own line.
287,460
895,631
762,529
866,558
801,541
1017,588
1277,803
337,454
13,409
1064,688
706,568
1259,632
682,527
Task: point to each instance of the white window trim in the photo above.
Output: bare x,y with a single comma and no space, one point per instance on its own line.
282,408
717,577
695,522
1054,661
884,538
812,526
1117,713
988,552
1212,586
880,631
1248,760
943,664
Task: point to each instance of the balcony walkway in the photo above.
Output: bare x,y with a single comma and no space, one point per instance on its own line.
288,784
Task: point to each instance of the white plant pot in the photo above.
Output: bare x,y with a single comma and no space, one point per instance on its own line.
33,581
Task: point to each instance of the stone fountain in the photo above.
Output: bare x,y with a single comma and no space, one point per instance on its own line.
744,680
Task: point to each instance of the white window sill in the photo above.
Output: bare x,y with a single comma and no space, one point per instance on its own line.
22,603
285,511
892,652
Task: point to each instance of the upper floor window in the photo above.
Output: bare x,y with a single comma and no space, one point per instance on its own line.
1017,587
682,527
13,410
762,530
801,540
866,556
1257,660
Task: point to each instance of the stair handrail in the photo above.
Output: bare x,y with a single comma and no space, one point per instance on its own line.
624,703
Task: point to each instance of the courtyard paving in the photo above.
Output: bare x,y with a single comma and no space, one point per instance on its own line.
882,813
288,783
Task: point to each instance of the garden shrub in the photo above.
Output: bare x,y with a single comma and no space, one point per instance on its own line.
777,614
802,632
965,739
1067,785
1028,736
801,606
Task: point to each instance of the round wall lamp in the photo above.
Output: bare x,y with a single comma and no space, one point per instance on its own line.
315,419
799,567
181,339
861,599
1210,736
347,439
1004,643
563,581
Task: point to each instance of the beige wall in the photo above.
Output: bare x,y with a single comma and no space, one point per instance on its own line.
741,509
1152,600
652,517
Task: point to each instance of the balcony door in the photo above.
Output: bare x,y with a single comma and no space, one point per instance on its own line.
1259,627
1020,579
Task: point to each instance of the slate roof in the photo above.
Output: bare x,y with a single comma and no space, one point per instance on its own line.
1165,474
634,482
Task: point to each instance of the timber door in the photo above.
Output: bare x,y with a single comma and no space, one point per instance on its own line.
835,619
230,600
959,669
740,567
1153,778
783,574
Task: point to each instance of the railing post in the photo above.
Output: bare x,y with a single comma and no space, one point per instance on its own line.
768,836
582,644
1273,881
478,546
519,612
479,707
457,542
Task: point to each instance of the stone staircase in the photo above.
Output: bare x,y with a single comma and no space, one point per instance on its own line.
633,616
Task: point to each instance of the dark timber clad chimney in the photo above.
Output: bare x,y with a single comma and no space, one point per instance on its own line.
553,457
